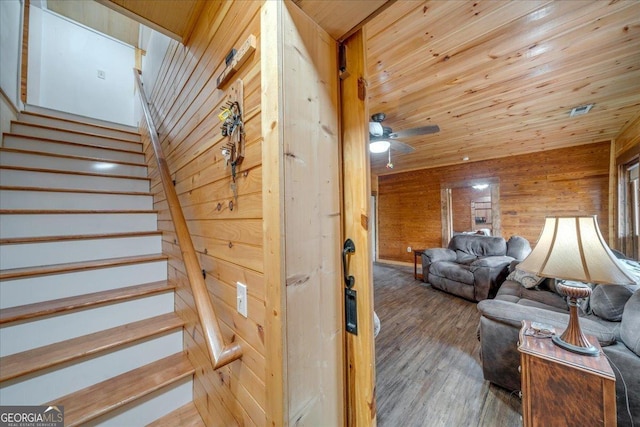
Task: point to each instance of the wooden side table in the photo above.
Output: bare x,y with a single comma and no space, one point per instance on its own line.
417,253
561,388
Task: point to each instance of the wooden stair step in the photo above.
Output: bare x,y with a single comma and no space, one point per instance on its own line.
78,144
30,311
99,399
48,356
43,239
73,190
61,172
57,212
184,416
69,156
61,115
75,122
18,273
71,131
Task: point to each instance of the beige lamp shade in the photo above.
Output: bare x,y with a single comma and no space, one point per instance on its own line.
572,248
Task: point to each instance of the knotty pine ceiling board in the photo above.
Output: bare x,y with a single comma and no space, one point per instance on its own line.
98,17
500,77
338,17
174,18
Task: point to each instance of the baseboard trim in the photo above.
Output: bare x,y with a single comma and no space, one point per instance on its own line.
393,262
14,108
9,112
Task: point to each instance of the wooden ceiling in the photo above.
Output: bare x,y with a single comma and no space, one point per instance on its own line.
339,17
98,17
174,18
500,77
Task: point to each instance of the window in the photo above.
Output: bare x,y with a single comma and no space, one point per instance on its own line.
629,208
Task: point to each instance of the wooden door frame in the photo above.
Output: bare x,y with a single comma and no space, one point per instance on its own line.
302,222
360,348
446,215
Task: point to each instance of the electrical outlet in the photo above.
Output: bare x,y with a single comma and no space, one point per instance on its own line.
101,74
408,248
241,300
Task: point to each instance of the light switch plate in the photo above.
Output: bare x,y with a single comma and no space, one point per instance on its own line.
241,300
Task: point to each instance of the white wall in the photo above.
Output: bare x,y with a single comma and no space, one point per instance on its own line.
156,45
64,59
10,41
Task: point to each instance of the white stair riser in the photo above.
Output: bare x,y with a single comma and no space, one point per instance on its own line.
70,116
27,178
18,337
160,403
45,161
79,127
79,138
68,379
32,290
43,200
66,251
41,225
20,143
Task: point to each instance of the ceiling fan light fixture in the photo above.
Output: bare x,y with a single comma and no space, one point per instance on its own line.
480,186
379,146
376,129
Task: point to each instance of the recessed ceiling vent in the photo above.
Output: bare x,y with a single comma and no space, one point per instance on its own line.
579,111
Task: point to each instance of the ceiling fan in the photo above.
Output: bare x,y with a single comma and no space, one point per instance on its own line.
381,138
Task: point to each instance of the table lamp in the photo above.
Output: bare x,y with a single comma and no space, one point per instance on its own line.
572,248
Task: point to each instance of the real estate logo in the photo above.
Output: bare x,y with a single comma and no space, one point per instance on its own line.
32,416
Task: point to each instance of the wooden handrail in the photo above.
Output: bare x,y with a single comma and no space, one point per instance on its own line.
220,353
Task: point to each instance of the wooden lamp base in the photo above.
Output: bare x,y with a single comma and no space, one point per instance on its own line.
572,339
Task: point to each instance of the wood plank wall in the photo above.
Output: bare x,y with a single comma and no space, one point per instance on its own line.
568,181
185,104
629,139
461,208
312,223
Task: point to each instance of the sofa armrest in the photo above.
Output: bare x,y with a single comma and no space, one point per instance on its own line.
513,314
488,273
439,254
430,256
495,261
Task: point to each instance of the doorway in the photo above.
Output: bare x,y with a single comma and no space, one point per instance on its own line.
629,207
471,207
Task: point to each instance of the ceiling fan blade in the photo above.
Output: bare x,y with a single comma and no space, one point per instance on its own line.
401,147
423,130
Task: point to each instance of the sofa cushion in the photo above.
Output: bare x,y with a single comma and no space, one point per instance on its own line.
629,326
513,315
518,247
607,301
465,258
514,292
453,271
526,279
477,245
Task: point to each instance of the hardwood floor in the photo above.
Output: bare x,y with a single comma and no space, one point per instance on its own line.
427,359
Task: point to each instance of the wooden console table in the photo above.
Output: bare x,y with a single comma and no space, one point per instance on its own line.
417,253
561,388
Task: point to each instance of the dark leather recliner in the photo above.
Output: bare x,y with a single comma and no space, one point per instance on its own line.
473,265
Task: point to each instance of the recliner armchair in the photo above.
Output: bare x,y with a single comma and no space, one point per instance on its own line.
472,266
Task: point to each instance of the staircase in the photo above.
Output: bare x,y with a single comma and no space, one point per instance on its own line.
87,317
